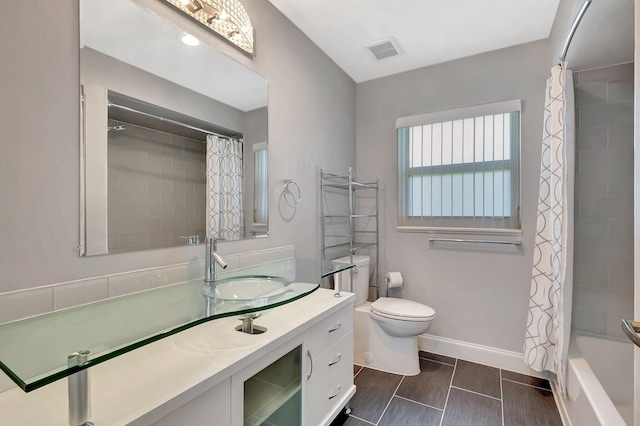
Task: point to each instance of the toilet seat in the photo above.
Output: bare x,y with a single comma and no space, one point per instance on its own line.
402,309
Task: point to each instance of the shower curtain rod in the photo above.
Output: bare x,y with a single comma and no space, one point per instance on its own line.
168,120
573,29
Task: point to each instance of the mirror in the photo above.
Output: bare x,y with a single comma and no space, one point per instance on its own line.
151,108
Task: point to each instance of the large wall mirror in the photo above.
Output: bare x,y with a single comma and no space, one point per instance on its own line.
174,136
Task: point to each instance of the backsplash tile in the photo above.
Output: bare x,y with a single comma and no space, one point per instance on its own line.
264,256
170,275
23,304
81,292
131,282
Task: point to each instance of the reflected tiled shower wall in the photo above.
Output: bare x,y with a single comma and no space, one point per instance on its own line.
603,265
156,188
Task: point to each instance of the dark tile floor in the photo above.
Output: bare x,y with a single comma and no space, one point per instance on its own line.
450,391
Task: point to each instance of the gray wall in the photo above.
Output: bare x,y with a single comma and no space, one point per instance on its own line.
311,122
603,268
480,293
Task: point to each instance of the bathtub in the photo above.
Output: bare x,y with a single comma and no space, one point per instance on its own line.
599,382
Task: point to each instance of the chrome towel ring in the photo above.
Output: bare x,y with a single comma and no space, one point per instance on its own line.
288,195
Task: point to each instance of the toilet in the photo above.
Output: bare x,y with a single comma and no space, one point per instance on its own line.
385,331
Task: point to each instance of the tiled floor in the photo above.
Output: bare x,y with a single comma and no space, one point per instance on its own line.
450,391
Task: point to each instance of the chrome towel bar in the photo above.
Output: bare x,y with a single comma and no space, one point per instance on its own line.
460,240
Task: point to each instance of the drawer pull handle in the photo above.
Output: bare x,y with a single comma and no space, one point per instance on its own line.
335,327
311,364
337,393
336,361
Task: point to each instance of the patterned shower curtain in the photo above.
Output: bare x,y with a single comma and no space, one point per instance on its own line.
549,317
224,188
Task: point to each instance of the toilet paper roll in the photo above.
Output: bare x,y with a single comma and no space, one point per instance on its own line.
394,279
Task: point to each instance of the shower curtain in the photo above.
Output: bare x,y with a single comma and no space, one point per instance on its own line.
549,317
224,188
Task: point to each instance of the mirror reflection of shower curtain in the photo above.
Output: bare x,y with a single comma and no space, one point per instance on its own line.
224,188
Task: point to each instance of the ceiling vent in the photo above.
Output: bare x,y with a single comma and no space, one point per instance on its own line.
383,49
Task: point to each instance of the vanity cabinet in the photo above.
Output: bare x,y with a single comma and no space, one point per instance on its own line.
211,407
299,372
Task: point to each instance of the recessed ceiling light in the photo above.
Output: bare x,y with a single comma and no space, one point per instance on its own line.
190,40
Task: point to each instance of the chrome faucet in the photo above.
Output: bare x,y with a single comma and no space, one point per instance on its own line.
211,260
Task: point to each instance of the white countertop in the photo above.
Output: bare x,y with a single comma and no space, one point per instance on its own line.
172,370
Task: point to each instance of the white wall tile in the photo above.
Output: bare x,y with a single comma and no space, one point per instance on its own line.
170,275
620,90
593,322
131,282
620,278
589,275
22,304
614,326
591,93
264,256
591,138
81,292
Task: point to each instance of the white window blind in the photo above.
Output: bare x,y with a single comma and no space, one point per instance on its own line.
460,168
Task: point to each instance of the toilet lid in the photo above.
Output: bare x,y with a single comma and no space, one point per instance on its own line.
402,308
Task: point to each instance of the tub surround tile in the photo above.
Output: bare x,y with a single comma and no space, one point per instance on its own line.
614,325
620,90
620,278
613,72
477,378
81,292
591,93
524,405
591,138
620,137
593,322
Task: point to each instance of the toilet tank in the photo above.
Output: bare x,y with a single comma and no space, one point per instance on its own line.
360,277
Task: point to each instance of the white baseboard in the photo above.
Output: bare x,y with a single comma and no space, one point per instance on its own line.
486,355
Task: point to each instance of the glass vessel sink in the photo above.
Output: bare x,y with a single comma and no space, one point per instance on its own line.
246,288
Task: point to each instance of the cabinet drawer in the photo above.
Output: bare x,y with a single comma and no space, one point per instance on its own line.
333,394
330,330
326,368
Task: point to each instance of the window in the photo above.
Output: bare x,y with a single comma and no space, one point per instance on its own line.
260,184
460,169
